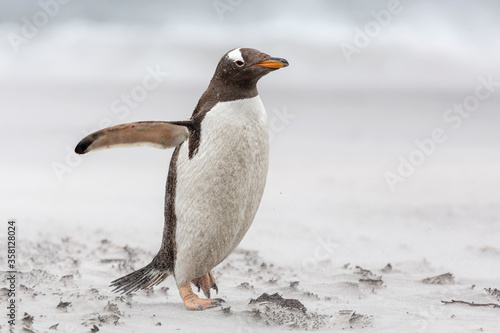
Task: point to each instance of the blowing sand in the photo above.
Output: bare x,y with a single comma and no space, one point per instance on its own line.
332,247
64,287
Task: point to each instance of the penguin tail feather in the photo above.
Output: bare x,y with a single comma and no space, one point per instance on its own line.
148,276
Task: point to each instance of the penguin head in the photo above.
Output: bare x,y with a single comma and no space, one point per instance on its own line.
245,66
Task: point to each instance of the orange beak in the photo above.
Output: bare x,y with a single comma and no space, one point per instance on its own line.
274,63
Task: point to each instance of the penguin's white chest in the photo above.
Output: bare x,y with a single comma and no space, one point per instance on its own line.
218,190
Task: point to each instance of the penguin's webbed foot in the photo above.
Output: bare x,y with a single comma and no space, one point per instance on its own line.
205,283
193,302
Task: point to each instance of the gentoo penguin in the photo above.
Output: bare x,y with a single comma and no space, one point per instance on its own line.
216,177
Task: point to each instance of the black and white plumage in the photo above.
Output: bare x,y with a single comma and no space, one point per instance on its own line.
216,177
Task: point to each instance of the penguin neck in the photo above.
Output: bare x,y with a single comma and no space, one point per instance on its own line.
224,90
220,90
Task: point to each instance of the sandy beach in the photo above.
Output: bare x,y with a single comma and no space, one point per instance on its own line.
382,206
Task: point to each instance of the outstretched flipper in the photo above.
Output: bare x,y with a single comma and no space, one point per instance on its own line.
160,134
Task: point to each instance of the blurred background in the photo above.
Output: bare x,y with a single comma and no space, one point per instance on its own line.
366,80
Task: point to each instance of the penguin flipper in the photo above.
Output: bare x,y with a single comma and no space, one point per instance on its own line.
160,134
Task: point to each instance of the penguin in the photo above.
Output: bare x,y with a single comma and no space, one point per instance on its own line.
216,176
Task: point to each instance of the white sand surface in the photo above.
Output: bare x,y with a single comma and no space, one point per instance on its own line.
327,218
329,234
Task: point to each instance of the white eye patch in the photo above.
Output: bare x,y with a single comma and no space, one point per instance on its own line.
235,55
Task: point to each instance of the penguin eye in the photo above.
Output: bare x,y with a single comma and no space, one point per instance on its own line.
239,63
